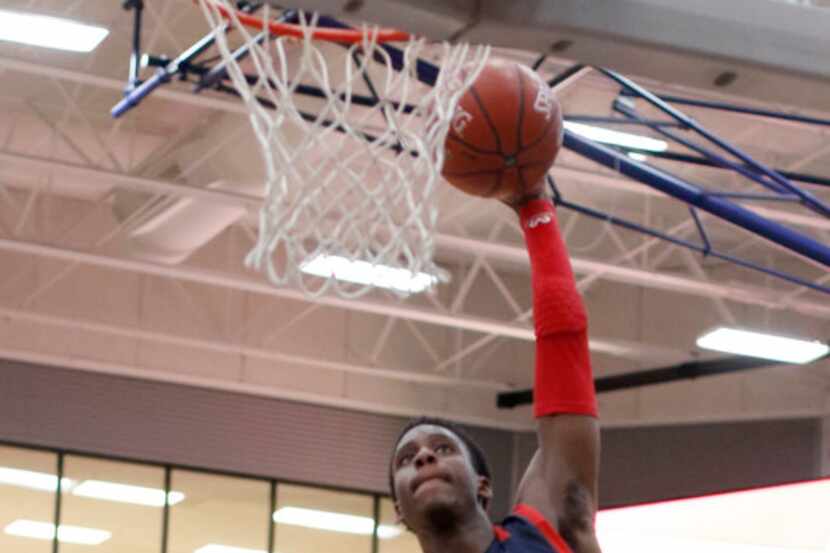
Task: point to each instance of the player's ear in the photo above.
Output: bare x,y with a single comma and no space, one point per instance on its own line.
484,491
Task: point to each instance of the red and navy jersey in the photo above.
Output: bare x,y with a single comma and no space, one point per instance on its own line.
527,531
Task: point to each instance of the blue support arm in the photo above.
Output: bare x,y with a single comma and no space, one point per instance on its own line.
807,199
696,196
134,96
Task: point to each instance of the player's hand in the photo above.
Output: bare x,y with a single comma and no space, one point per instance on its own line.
540,191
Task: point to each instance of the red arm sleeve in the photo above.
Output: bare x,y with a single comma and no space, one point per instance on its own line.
564,380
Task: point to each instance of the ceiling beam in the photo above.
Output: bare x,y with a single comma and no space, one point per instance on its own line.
594,178
215,346
775,51
203,101
640,277
517,255
78,77
620,348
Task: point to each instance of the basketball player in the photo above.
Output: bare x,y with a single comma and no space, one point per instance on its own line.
439,477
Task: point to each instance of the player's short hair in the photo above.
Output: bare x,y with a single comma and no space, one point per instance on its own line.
477,457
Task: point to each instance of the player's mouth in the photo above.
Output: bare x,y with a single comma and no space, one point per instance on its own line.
419,480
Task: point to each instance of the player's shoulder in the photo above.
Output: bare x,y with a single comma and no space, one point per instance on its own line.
525,530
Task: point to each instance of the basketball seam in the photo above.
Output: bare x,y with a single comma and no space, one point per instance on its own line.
471,147
475,173
522,182
542,136
486,115
519,145
532,164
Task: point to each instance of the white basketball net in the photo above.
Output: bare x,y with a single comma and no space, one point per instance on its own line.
349,187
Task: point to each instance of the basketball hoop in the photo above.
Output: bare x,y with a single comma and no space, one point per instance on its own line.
353,144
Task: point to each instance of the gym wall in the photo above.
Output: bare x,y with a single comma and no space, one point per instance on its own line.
212,429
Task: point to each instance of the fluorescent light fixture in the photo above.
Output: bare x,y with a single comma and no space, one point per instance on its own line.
50,32
765,346
607,136
124,493
33,480
216,548
637,156
66,534
334,522
363,272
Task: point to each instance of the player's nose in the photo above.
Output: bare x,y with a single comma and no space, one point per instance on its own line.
425,456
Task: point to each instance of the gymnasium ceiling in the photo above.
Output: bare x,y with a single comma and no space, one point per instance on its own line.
78,290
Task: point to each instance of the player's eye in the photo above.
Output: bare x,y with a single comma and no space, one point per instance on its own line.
443,448
404,459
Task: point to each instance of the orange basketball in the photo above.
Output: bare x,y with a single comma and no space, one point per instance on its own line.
505,134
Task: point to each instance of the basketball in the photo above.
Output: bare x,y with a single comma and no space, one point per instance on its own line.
505,134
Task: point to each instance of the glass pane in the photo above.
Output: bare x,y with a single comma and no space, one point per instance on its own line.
27,495
394,538
311,520
118,504
219,513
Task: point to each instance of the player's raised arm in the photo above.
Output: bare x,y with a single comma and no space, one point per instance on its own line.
505,136
561,480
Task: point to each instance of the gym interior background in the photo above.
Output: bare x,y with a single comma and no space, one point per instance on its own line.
141,365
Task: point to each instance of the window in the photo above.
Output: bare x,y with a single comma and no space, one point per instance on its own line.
28,480
312,520
118,506
110,506
220,514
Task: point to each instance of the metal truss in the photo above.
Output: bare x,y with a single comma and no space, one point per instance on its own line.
454,243
721,203
67,244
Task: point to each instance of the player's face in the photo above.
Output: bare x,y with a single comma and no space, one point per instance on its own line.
433,477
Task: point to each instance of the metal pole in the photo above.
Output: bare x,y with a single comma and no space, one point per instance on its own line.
807,199
165,513
723,106
694,195
135,59
163,75
272,508
376,519
58,499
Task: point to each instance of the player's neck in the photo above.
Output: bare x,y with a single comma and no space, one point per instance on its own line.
469,536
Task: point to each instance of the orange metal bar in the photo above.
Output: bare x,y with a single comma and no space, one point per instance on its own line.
347,36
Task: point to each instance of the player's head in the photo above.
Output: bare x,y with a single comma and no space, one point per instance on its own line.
437,474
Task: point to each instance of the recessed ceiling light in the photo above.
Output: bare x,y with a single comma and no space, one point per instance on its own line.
123,493
335,522
50,32
34,480
217,548
66,534
363,272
